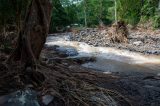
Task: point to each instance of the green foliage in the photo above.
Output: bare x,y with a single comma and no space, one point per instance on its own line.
149,12
99,10
129,11
156,21
96,11
90,12
149,7
59,16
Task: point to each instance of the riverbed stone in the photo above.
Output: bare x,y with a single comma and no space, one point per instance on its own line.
20,98
47,99
67,51
138,43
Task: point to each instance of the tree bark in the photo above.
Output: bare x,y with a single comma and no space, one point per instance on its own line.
33,34
115,11
159,5
85,13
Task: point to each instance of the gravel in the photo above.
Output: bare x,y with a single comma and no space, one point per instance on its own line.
139,41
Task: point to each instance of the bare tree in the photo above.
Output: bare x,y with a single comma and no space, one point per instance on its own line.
115,11
85,12
159,5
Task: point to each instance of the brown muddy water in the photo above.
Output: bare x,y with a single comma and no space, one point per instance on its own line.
109,59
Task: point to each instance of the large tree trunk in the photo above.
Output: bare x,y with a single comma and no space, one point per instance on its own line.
33,34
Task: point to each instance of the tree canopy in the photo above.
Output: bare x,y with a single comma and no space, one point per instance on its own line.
88,13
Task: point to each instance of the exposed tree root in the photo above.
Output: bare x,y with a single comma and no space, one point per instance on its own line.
119,33
71,86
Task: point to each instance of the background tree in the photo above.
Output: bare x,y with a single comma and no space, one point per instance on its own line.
115,11
128,12
59,16
151,13
84,12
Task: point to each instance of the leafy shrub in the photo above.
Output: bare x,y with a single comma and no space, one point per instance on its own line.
156,21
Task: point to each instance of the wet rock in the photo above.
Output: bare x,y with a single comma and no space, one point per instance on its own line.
158,74
20,98
67,51
53,47
153,52
47,99
82,60
137,43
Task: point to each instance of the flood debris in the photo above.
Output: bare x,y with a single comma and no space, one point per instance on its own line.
119,33
63,85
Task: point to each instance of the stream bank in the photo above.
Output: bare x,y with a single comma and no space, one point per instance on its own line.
138,74
139,40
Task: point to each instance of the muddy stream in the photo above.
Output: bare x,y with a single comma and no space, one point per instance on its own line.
108,59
